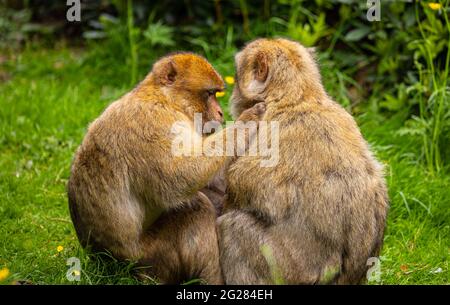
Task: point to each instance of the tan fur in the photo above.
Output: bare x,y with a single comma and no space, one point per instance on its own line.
322,208
128,194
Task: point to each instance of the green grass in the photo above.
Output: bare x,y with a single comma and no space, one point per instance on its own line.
45,107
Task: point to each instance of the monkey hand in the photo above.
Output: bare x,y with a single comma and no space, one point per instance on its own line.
253,114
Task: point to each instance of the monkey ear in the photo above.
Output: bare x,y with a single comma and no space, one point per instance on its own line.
261,67
170,73
166,72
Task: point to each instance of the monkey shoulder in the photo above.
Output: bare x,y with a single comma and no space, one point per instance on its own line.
128,131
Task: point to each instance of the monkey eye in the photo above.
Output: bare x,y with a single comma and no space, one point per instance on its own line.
214,92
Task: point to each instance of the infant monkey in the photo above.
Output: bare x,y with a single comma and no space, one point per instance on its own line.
320,212
129,194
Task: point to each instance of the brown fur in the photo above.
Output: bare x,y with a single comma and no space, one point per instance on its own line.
215,190
322,208
128,194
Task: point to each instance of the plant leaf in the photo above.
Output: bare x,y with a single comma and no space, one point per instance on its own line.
357,34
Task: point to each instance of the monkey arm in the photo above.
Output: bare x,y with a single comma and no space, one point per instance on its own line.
171,162
193,166
191,160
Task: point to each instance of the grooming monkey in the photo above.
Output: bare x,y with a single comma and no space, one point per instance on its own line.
130,195
320,213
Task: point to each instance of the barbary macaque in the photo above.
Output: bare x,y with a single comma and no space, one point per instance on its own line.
317,215
131,195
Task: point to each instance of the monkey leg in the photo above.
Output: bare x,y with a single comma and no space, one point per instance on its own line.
255,252
182,245
114,229
240,239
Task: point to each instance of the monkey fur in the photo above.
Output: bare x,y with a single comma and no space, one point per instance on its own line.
130,195
320,213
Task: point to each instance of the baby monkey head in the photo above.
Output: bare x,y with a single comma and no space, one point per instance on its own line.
273,69
191,83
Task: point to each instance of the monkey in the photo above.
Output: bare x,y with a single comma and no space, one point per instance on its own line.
129,194
318,214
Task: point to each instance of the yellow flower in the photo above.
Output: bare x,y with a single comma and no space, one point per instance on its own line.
76,272
4,273
229,80
220,94
59,248
435,6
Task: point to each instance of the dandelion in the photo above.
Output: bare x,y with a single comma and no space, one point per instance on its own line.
229,80
76,272
4,273
220,94
435,6
59,248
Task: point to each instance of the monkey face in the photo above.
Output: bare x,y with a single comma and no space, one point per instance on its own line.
213,111
191,80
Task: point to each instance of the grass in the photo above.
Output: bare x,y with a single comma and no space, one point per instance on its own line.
45,107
